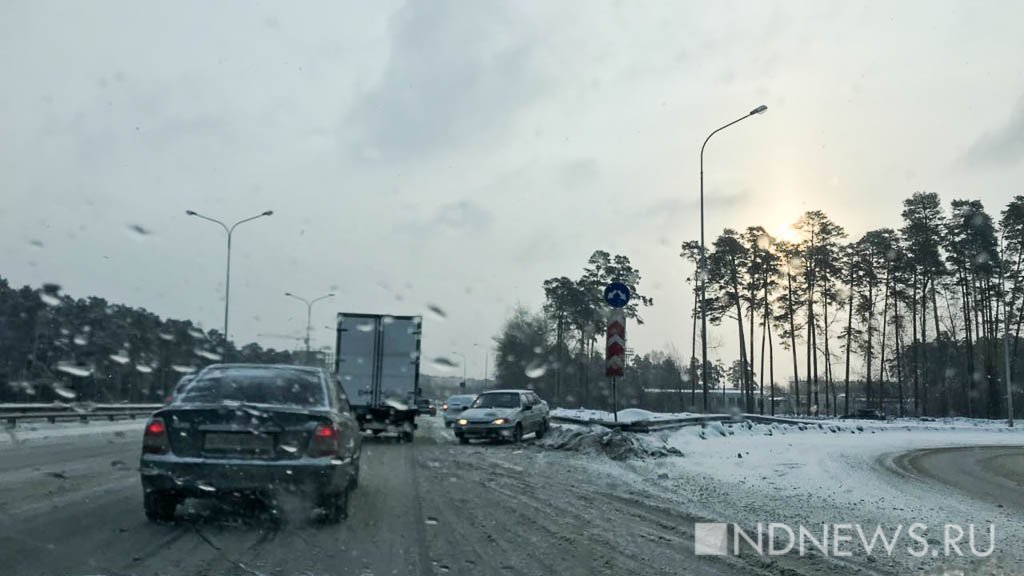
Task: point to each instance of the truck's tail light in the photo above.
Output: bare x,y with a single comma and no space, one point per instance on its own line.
326,441
155,440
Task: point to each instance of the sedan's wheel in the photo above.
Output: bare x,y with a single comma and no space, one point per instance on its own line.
517,433
542,430
463,440
160,506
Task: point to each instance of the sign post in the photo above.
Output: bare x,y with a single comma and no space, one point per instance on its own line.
616,295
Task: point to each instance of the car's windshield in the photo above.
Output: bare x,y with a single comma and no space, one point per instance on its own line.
714,276
497,400
278,386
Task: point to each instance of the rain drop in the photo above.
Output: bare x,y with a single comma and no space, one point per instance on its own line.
536,369
141,231
208,355
436,312
442,363
64,392
74,369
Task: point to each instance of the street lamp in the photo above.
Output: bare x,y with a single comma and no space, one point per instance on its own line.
309,312
703,273
227,274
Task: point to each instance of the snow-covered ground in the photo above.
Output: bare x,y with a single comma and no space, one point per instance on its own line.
827,472
627,415
46,430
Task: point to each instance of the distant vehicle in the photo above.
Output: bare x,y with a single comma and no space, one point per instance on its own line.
179,387
866,414
454,406
503,414
251,428
378,363
426,406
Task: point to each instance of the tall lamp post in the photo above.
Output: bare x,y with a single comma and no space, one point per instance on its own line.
703,273
227,273
309,312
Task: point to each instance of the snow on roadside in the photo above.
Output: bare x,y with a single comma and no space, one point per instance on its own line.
46,430
626,415
824,472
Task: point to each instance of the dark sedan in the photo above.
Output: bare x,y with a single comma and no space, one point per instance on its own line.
261,429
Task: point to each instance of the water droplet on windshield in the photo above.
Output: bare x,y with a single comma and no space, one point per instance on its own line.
208,355
289,448
64,391
536,369
74,369
80,341
431,521
196,333
144,369
442,363
121,358
182,369
206,487
36,243
138,229
49,299
365,326
166,337
436,312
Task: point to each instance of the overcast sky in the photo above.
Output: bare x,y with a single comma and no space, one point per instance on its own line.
458,153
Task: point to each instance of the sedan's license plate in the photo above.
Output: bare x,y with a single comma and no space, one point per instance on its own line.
235,441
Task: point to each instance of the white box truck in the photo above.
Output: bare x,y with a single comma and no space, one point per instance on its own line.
377,359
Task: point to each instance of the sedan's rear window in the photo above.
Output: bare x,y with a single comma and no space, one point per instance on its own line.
256,386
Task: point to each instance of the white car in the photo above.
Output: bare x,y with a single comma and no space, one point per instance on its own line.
503,414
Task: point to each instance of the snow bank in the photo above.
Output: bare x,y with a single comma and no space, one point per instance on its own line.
46,430
614,444
627,415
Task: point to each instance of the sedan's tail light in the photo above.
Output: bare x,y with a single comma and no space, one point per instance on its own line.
155,440
326,441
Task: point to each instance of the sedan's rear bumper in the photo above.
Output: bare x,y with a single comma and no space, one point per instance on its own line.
198,477
484,430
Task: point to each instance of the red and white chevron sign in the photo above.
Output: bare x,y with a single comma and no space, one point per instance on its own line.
615,344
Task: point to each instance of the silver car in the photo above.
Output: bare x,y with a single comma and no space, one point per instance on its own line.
454,406
503,415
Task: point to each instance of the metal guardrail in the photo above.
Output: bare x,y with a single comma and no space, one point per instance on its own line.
682,421
12,414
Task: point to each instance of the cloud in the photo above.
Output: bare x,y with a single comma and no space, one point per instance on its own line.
1002,146
457,71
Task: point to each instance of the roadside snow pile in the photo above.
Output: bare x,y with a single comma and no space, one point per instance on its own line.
625,416
614,444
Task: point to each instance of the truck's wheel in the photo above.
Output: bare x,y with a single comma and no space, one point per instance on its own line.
160,506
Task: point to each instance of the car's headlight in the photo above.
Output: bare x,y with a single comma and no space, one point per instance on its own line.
500,421
462,421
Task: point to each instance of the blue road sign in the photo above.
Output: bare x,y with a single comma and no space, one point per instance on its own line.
616,294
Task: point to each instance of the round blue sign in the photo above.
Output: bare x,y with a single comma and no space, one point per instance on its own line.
616,294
